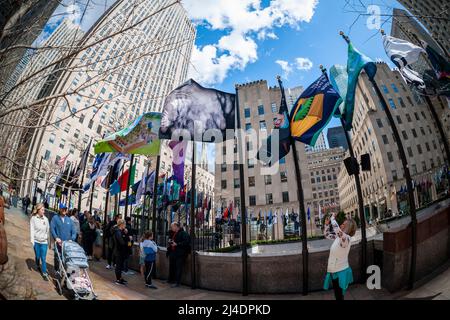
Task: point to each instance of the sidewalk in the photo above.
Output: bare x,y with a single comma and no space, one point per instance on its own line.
19,247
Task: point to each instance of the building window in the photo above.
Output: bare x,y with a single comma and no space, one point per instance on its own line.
392,104
427,146
269,199
247,112
224,184
274,107
402,104
61,144
410,152
385,139
408,117
419,149
237,183
252,200
47,155
422,130
285,196
251,163
394,175
77,134
81,120
414,133
405,136
235,165
72,149
223,167
67,128
86,138
52,138
283,175
399,119
394,87
91,123
262,125
416,116
390,157
261,110
99,129
248,126
251,181
313,180
385,89
379,123
268,179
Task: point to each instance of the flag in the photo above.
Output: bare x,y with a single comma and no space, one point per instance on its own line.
101,166
62,161
320,213
143,185
441,68
309,214
114,188
83,160
179,152
270,216
403,53
140,137
313,110
339,80
123,179
356,62
193,107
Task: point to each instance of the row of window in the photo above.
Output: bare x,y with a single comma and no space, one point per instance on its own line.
269,198
251,180
261,110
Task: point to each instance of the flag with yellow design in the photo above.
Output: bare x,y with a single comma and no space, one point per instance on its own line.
313,110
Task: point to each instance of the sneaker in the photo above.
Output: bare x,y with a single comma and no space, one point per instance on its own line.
124,280
108,267
151,286
175,285
120,282
45,276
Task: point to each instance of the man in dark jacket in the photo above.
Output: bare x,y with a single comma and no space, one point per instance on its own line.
120,249
107,233
130,233
178,249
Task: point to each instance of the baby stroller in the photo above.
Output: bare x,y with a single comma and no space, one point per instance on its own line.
72,274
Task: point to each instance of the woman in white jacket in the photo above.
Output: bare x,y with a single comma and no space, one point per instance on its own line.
39,235
339,272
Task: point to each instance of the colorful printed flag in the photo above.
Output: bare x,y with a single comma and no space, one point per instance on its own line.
356,62
313,110
140,137
193,107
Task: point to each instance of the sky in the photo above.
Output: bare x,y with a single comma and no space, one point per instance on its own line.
240,41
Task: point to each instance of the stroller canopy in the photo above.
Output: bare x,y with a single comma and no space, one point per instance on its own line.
73,255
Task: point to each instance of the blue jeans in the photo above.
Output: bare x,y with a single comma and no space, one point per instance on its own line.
40,250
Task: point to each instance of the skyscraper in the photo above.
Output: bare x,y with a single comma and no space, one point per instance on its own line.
320,144
133,56
336,138
434,16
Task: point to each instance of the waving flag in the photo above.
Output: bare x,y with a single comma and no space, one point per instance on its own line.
403,53
179,153
140,137
356,62
313,110
197,109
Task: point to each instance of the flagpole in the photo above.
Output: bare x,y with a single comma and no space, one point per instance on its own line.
154,198
407,175
144,180
82,181
108,183
192,221
433,112
360,200
127,193
301,200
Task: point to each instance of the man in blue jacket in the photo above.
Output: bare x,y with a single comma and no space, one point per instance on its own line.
62,229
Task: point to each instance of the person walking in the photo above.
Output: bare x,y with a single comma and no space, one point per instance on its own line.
39,235
178,249
89,233
148,249
108,234
62,229
74,217
26,203
120,249
339,272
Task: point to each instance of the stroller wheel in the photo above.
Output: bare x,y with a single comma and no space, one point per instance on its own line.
58,287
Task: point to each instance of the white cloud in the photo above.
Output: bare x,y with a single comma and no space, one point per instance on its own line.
242,21
287,68
303,63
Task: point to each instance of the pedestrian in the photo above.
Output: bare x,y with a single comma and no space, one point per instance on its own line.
339,272
89,233
2,208
108,234
39,235
74,217
26,203
148,250
46,204
98,243
178,249
62,229
129,232
120,249
97,217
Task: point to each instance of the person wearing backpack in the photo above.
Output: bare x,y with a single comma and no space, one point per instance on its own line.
148,249
179,247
